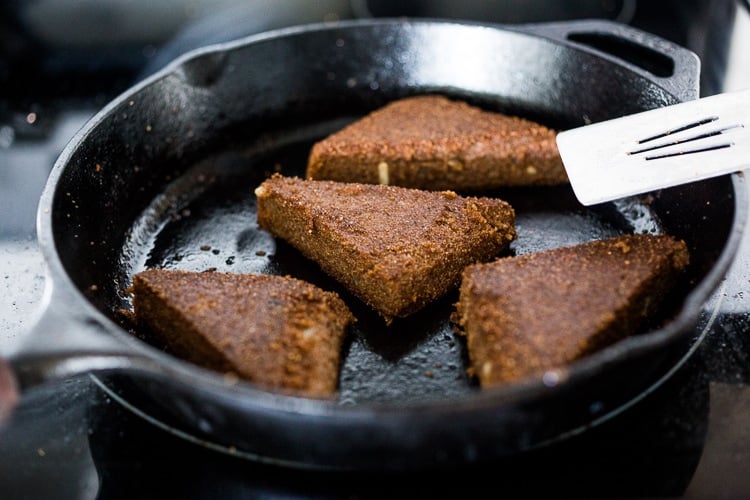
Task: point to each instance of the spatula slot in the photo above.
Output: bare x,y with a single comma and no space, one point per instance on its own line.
680,129
684,151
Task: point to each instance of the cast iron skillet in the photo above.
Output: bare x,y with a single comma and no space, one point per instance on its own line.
164,176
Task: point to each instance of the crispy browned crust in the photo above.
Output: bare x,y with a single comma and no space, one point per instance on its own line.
395,248
432,142
528,314
279,332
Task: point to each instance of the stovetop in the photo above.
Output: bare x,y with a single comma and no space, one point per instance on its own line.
73,439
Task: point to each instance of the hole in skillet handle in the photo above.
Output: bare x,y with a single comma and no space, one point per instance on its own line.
674,68
639,55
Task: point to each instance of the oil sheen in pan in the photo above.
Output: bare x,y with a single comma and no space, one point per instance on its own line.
206,220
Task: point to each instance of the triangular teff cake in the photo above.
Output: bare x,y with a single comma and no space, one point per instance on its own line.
397,249
432,142
528,314
279,332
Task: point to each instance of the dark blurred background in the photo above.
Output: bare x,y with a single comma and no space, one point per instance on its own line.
77,49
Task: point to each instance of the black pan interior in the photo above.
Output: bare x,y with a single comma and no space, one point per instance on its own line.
205,221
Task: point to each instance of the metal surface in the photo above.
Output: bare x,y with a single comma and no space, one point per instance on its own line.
659,148
166,170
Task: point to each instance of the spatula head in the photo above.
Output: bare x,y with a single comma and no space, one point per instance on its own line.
659,148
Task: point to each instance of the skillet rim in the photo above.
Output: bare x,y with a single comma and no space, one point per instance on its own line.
528,389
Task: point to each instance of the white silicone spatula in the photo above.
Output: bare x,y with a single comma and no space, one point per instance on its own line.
658,148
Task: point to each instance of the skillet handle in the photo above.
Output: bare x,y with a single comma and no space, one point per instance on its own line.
66,341
672,66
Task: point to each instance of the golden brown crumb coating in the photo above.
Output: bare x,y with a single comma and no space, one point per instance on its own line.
432,142
279,332
395,248
528,314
